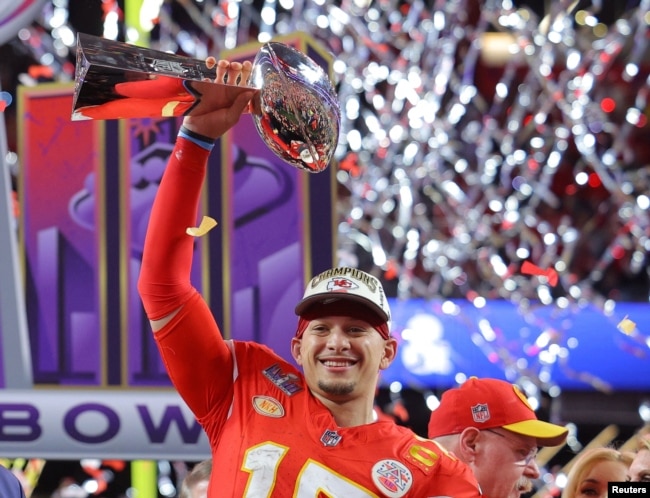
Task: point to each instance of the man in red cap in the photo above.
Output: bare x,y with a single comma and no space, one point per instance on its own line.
489,424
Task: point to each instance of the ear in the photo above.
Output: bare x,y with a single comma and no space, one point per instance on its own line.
295,349
390,351
468,444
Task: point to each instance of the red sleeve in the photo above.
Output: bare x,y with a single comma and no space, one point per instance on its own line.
164,281
193,350
197,359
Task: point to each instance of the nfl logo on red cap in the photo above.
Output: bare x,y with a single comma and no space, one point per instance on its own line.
480,413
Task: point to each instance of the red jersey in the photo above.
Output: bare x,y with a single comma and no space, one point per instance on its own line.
271,438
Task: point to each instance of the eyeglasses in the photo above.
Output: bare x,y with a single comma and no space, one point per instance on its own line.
527,457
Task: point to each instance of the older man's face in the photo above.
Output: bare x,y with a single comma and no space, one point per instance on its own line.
505,466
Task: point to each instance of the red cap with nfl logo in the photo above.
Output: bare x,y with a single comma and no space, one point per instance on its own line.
489,403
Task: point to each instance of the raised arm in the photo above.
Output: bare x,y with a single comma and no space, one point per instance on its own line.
164,281
193,351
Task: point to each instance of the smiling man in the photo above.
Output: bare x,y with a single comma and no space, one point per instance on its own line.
276,430
343,341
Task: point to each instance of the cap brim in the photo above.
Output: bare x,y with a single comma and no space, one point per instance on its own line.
546,434
326,297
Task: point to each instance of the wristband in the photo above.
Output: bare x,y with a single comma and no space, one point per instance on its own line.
201,140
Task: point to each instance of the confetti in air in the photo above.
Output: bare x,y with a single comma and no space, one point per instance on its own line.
204,227
626,326
528,268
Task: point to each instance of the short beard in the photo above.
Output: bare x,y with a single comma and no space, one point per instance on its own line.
336,388
524,485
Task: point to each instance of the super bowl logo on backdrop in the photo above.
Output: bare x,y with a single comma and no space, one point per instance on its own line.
481,413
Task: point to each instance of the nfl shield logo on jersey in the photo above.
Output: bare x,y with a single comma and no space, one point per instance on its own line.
330,438
481,412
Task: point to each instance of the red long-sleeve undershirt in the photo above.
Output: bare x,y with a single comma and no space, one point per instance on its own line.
164,283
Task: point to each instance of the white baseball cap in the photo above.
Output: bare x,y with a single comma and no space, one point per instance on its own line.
345,283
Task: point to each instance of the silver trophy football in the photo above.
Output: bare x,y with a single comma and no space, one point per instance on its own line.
297,113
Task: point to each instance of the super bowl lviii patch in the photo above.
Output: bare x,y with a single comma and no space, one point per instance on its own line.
289,383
